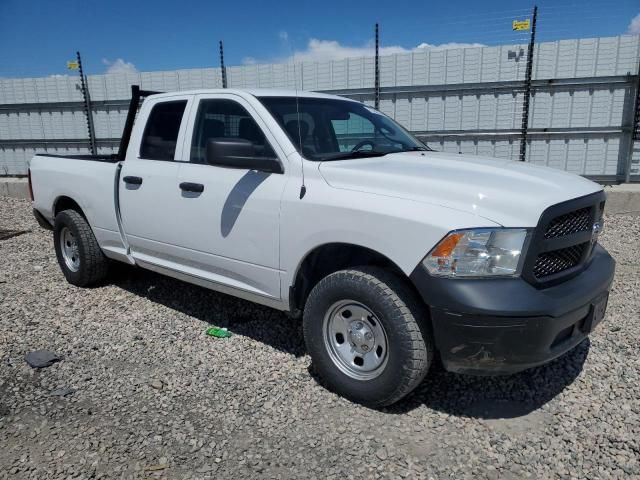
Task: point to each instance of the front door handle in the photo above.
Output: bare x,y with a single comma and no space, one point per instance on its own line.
133,180
192,187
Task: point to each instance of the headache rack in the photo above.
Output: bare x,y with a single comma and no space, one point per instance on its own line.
563,241
136,96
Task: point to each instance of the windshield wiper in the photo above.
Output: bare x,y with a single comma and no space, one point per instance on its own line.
415,149
356,154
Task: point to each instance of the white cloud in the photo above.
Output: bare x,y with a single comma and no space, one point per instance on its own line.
322,50
446,46
634,26
119,66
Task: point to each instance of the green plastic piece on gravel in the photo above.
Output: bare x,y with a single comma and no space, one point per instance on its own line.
218,332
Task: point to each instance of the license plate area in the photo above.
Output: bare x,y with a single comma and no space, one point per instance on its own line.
596,313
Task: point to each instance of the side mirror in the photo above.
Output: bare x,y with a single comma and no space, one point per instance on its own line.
239,153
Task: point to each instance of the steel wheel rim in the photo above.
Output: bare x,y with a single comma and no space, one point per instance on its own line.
69,249
355,340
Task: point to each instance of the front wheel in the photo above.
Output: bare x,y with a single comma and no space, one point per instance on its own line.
365,330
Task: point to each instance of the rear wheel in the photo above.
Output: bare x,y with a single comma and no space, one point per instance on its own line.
79,255
365,330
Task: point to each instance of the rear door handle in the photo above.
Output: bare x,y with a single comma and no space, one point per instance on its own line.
133,180
192,187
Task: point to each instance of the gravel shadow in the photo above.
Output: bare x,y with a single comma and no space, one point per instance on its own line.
501,397
241,317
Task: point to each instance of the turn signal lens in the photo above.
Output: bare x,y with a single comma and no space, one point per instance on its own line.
478,253
446,246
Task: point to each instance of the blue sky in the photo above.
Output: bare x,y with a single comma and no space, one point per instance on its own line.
37,37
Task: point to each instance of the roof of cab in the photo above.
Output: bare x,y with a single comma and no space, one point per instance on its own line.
256,92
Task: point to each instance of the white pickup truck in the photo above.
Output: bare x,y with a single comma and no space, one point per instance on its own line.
326,208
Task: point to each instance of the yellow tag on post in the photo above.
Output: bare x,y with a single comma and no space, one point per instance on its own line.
521,24
73,65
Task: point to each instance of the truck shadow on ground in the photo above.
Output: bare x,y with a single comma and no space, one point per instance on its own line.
491,397
499,397
503,397
241,317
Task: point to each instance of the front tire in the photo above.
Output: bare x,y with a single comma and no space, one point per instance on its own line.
366,332
79,255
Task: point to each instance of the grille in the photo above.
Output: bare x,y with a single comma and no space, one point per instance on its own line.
563,241
569,223
557,261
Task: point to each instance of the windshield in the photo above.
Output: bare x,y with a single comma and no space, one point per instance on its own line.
333,129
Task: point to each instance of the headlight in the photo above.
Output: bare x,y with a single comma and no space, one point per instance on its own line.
477,253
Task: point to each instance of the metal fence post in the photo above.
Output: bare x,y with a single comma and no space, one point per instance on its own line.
222,67
376,86
635,128
527,87
87,107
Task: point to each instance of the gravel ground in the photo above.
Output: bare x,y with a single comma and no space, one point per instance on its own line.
153,397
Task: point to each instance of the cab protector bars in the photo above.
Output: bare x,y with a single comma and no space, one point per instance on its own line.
136,95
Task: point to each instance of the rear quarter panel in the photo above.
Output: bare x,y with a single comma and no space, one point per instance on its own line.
89,183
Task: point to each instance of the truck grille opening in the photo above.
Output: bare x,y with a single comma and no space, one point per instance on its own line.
570,223
563,336
556,261
563,241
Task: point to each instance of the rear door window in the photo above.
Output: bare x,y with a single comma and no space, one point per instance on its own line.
161,132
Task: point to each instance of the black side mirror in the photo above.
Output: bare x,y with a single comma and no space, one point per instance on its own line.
239,153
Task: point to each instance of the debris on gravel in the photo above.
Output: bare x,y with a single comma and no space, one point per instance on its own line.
155,398
62,392
41,358
157,384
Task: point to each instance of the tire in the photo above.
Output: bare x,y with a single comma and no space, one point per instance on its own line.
82,262
398,323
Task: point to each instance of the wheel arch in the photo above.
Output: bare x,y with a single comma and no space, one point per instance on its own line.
328,258
65,202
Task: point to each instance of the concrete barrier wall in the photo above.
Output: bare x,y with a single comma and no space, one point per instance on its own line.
14,187
465,100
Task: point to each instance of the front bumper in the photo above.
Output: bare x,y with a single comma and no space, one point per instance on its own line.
502,326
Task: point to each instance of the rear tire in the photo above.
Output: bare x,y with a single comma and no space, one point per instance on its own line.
366,332
79,255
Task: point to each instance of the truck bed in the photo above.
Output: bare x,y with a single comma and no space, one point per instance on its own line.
111,158
88,180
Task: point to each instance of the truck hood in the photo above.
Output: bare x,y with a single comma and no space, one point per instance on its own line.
512,194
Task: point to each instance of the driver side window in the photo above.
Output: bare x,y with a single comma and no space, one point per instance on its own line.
224,118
